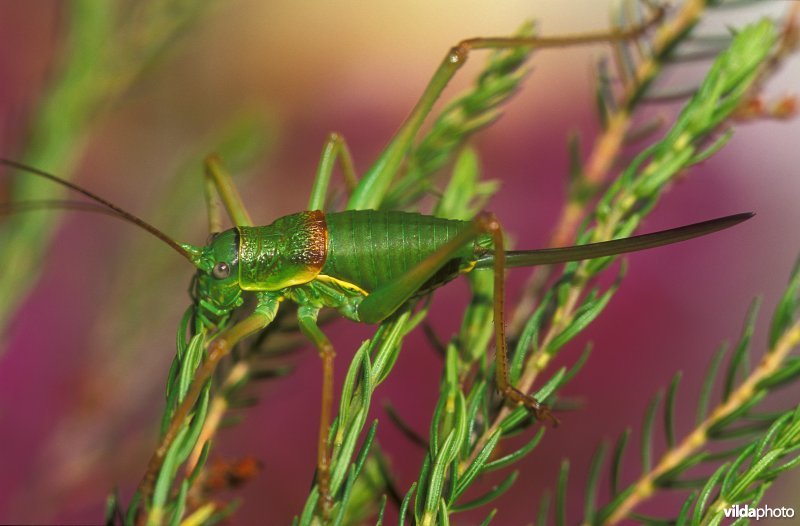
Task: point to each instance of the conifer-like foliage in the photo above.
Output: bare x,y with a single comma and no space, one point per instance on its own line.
733,454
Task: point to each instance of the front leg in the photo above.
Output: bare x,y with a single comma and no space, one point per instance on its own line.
218,348
219,180
335,149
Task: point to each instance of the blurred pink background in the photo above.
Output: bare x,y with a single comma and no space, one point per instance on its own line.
81,394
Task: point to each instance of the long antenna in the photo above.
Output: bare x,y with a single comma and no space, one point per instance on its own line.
54,204
117,211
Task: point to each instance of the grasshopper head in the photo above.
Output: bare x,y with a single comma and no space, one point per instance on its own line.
217,290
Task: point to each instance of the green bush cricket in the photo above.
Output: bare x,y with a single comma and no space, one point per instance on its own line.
322,260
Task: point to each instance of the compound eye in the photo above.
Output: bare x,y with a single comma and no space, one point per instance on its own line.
221,270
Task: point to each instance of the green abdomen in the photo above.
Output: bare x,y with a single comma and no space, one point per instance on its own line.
371,247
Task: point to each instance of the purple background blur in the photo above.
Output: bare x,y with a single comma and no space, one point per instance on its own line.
81,391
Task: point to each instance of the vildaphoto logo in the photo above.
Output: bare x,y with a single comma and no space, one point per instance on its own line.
760,512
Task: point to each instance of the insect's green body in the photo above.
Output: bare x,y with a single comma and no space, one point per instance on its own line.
328,260
369,248
337,260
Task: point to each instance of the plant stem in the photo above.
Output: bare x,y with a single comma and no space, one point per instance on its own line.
645,486
217,407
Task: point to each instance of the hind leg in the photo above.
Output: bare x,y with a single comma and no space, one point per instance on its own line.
384,301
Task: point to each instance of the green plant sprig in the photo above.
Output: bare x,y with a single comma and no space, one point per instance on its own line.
568,307
745,479
770,437
616,107
638,63
637,190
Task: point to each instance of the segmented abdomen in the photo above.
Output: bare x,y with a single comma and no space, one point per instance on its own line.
371,247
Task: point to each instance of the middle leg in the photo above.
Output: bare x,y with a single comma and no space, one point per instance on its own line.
307,318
